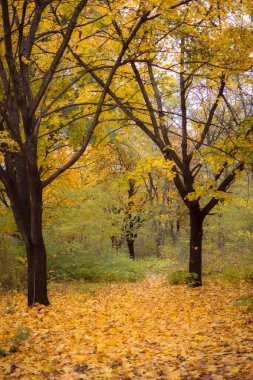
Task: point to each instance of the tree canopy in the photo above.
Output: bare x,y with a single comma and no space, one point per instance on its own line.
78,75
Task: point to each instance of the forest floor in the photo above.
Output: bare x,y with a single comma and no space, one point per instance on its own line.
143,330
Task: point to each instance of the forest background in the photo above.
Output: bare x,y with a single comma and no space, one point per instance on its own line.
128,125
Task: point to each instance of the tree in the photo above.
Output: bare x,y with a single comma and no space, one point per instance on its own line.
118,163
189,88
39,76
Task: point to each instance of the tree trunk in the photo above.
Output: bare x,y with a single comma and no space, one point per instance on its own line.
130,246
173,233
196,236
160,237
221,235
131,221
36,251
24,190
116,242
37,276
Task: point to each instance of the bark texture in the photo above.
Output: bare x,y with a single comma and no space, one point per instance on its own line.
196,237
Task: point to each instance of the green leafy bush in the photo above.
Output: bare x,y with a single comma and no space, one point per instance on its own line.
72,262
181,277
248,275
21,334
246,302
94,268
12,263
234,275
9,346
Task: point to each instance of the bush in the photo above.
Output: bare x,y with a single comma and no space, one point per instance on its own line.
109,267
181,277
71,262
234,275
12,345
12,263
246,302
248,275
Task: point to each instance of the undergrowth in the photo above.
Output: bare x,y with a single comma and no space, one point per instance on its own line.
70,262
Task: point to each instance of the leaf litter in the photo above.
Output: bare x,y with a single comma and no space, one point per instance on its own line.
144,330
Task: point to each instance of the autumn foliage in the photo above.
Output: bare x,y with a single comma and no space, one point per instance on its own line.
144,330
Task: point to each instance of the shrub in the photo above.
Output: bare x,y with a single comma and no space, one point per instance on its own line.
12,263
234,275
107,267
181,277
246,302
248,275
72,262
9,346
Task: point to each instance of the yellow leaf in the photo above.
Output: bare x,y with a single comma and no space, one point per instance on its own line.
25,60
235,370
111,342
175,375
211,368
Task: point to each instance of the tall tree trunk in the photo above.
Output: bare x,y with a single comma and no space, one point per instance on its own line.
173,233
160,237
37,276
31,231
36,251
130,225
116,242
24,190
221,235
196,236
130,246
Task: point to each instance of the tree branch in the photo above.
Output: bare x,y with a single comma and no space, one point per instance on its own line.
99,106
58,55
223,187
